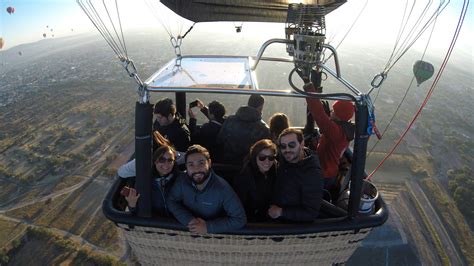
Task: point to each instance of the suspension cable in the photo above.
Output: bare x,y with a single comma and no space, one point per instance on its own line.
162,14
410,38
348,31
405,95
115,39
433,86
407,43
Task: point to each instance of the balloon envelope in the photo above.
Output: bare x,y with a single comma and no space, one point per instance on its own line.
422,71
2,42
10,10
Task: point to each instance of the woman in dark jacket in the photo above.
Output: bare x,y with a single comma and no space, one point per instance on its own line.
254,185
165,173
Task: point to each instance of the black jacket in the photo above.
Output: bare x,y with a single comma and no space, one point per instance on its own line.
206,135
299,188
255,192
177,133
239,132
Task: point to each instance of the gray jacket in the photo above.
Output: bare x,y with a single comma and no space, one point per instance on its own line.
217,204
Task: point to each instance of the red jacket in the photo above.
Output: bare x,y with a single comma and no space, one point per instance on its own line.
333,141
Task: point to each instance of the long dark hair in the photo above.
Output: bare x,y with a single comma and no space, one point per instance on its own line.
257,147
160,152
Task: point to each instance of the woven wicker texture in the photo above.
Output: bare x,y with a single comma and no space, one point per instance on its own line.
155,246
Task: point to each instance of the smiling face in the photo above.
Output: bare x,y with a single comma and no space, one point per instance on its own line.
265,160
165,163
163,120
198,167
290,148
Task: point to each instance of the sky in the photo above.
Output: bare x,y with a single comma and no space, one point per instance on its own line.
379,22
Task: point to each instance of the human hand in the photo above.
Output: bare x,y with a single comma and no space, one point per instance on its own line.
326,108
191,113
200,104
302,75
197,226
274,211
132,198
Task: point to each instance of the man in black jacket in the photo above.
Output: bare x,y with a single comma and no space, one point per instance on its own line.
299,181
170,124
242,130
206,134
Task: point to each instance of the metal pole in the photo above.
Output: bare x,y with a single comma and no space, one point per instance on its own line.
359,156
181,103
143,157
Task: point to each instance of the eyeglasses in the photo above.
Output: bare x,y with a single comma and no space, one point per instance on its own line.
291,145
269,157
164,160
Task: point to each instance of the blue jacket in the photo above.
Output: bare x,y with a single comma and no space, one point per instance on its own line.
160,188
217,204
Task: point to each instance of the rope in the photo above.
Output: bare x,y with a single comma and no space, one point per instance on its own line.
348,31
163,15
404,96
406,44
433,86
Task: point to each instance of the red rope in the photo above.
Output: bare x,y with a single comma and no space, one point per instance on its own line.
430,91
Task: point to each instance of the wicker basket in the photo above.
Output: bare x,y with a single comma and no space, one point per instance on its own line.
156,246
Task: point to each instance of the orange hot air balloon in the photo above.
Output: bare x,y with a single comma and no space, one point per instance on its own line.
10,10
2,42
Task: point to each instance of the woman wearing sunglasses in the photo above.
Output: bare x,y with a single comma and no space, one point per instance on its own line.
254,185
165,173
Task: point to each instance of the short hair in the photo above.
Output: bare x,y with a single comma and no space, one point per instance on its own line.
165,107
217,109
196,148
278,122
298,132
256,100
161,151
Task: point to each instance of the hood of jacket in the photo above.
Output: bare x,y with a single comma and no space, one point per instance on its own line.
247,113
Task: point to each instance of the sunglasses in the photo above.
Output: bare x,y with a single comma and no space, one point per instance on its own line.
164,160
269,157
290,145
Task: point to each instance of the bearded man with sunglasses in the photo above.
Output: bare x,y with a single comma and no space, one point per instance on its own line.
299,182
203,201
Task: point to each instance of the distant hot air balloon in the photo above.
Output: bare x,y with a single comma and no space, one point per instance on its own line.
422,71
1,42
20,53
44,35
10,10
47,26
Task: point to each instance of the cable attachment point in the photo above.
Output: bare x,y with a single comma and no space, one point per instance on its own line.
378,80
131,70
176,43
371,126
